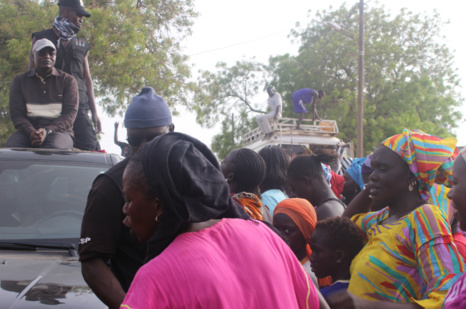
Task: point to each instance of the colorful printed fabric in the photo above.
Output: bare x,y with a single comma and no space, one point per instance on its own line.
438,197
412,260
429,157
355,171
327,172
250,203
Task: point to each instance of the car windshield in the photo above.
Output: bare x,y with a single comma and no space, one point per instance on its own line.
43,200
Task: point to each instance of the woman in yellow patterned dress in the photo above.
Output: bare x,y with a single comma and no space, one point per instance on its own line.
410,260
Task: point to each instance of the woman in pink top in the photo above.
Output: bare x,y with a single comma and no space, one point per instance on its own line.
203,251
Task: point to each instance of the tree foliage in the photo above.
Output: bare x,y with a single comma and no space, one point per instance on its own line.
133,44
410,81
227,96
233,129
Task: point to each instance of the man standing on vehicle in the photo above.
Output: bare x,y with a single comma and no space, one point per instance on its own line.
72,58
306,96
110,256
43,103
275,104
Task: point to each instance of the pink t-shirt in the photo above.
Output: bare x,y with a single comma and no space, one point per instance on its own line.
235,263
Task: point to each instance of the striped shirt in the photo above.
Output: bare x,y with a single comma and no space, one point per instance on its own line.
50,103
413,260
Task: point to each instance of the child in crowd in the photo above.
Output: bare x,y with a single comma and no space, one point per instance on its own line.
334,243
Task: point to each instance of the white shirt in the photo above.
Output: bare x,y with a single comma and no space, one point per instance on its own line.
274,101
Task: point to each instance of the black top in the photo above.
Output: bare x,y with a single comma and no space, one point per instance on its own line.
103,234
50,103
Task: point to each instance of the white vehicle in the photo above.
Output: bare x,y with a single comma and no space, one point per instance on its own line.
312,135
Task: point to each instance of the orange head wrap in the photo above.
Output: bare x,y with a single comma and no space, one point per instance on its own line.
301,212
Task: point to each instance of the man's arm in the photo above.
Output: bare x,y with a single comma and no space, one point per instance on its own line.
361,203
69,106
314,95
18,110
115,135
103,282
90,95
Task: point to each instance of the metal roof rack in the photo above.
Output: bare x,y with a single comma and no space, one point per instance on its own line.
287,126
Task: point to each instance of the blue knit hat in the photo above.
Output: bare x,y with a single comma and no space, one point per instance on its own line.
147,110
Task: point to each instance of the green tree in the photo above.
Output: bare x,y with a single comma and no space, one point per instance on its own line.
410,78
227,96
233,129
410,81
133,44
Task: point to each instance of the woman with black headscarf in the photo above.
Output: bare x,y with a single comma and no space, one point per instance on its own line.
203,251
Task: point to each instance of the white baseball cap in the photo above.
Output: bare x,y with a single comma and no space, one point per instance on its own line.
43,43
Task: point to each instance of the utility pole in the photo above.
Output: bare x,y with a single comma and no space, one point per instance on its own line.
360,130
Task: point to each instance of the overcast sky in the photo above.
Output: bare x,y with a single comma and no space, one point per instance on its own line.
232,30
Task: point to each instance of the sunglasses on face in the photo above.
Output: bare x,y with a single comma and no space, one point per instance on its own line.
45,51
136,140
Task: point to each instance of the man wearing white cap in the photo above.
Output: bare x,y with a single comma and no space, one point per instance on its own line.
72,58
43,103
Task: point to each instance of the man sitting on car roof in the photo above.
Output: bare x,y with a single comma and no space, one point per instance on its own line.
105,240
43,103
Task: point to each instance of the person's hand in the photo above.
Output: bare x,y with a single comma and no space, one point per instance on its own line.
37,138
97,124
116,124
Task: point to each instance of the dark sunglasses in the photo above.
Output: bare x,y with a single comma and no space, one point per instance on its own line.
45,51
136,140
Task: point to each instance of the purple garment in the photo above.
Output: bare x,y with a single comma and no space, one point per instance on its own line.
366,167
305,96
456,297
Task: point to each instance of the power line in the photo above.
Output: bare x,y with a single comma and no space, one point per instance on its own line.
237,44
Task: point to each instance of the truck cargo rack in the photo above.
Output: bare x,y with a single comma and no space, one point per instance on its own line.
287,126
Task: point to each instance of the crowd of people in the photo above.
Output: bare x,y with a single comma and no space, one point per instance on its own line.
170,227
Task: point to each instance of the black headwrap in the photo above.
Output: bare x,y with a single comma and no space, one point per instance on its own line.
184,174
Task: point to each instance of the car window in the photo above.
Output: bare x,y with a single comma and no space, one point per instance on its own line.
43,201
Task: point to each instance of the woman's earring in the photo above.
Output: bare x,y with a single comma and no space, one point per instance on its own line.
411,187
156,218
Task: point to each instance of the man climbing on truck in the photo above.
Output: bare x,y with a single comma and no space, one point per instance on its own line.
306,96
